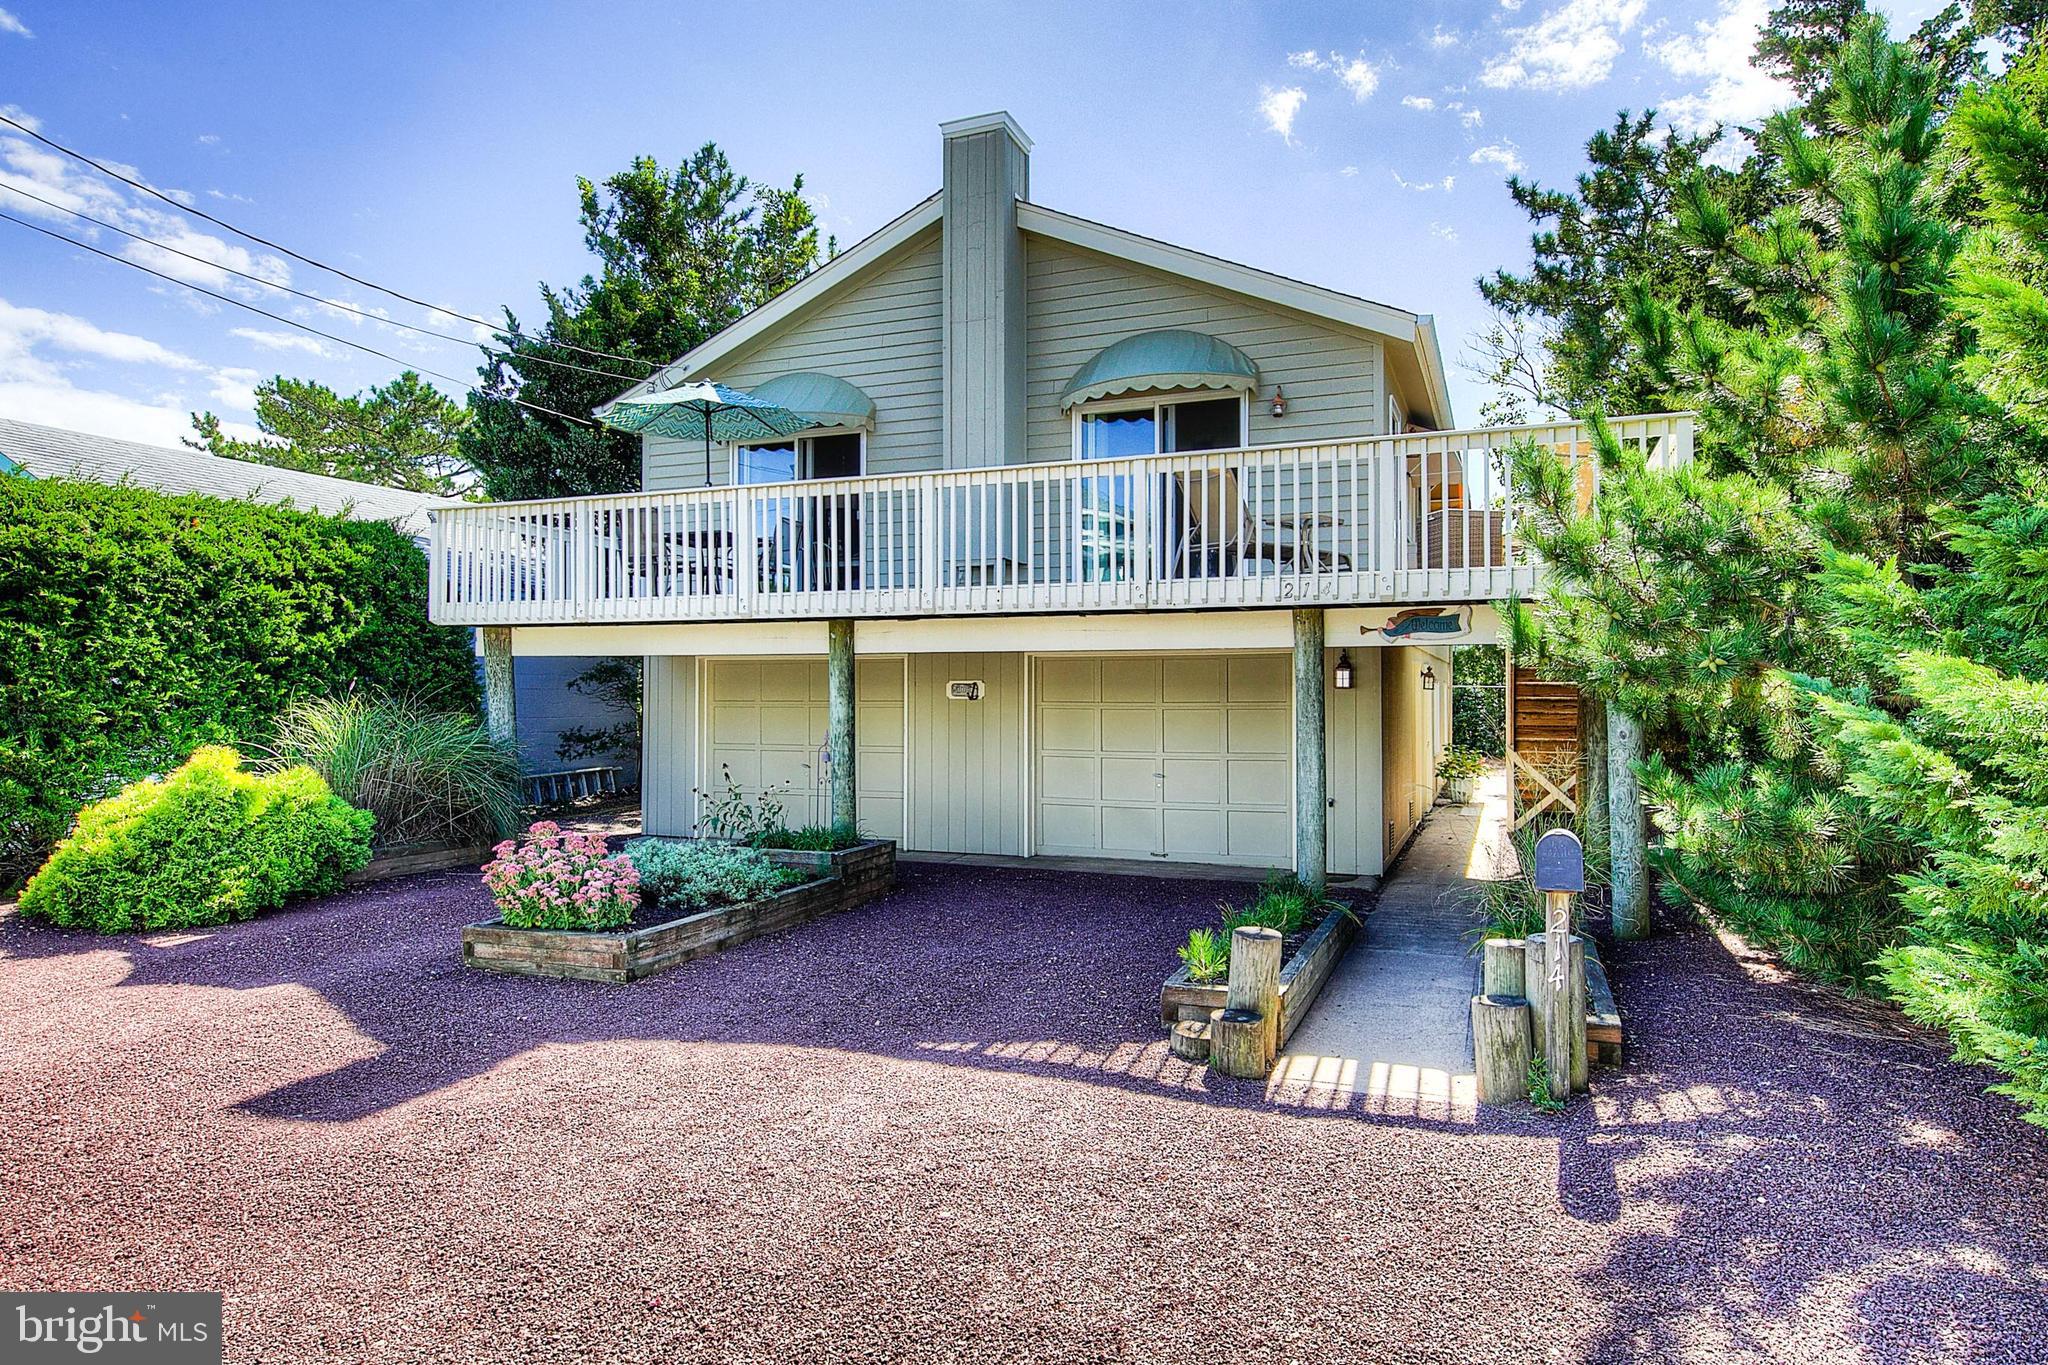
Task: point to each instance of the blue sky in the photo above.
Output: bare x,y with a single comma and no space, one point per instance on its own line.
435,149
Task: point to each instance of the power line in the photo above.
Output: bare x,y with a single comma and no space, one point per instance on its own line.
183,207
279,317
300,293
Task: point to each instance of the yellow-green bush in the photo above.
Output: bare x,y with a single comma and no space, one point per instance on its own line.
208,844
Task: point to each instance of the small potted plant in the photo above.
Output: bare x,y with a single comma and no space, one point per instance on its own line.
1459,769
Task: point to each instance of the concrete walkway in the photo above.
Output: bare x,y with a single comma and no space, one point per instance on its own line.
1392,1032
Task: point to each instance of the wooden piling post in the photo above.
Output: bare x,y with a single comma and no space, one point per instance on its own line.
1628,892
1311,757
1558,1012
1501,1047
1501,970
1245,1039
839,722
1190,1040
499,717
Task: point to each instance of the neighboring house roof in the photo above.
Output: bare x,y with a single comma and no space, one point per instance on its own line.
1418,358
54,453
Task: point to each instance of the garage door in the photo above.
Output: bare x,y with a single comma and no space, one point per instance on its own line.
766,727
1165,757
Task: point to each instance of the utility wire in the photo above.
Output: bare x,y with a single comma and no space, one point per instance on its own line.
317,265
279,317
300,293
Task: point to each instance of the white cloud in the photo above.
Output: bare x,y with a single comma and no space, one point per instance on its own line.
1448,234
1356,74
1425,186
42,354
10,24
22,116
1422,102
209,139
69,188
1348,171
1442,38
24,329
270,340
1503,154
1471,118
1278,108
1569,48
1718,51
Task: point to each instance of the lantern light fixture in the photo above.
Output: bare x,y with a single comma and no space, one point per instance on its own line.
1428,678
1279,402
1343,670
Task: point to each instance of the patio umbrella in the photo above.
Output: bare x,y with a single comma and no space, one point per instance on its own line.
710,411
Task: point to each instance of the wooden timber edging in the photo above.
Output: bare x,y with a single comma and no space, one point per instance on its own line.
847,878
406,862
1603,1017
1302,978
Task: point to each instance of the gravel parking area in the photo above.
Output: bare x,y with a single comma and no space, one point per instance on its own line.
946,1127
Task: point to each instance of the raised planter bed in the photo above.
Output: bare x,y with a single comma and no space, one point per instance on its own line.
1302,977
404,862
847,878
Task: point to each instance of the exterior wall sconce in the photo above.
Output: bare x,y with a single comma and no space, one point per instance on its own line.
1279,402
1343,670
1428,678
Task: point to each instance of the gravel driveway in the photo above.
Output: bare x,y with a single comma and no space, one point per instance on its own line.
945,1127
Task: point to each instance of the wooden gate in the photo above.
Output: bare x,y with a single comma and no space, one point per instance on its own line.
1543,746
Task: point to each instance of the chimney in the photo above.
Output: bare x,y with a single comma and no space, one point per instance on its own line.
987,170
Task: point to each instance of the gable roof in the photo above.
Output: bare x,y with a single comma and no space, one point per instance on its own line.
842,269
55,453
1418,360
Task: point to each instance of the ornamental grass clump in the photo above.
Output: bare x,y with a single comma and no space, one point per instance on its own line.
810,838
208,844
552,879
428,775
689,876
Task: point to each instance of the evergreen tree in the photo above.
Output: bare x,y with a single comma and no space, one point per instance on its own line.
1836,618
681,255
405,434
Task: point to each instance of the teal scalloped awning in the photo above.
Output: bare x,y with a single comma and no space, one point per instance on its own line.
1171,359
828,402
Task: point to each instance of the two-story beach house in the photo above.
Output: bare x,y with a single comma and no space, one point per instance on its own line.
1096,547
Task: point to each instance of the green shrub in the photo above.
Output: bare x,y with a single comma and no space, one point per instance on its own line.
810,838
1206,955
1460,764
1283,903
427,775
208,844
687,875
140,626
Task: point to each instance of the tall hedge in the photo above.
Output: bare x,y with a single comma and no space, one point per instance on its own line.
136,626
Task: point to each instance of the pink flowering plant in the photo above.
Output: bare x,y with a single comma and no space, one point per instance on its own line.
549,879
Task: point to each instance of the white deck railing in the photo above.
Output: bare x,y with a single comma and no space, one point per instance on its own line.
1390,519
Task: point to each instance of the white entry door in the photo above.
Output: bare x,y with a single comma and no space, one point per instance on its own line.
1169,757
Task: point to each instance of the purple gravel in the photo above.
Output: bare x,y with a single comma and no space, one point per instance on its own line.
945,1127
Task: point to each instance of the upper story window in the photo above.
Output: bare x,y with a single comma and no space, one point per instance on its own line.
829,455
1119,429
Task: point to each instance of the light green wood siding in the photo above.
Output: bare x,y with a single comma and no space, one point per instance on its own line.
967,758
766,725
883,334
668,730
1078,302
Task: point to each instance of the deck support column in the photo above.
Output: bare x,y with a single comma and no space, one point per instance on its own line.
500,719
1311,753
1592,791
1630,887
839,746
